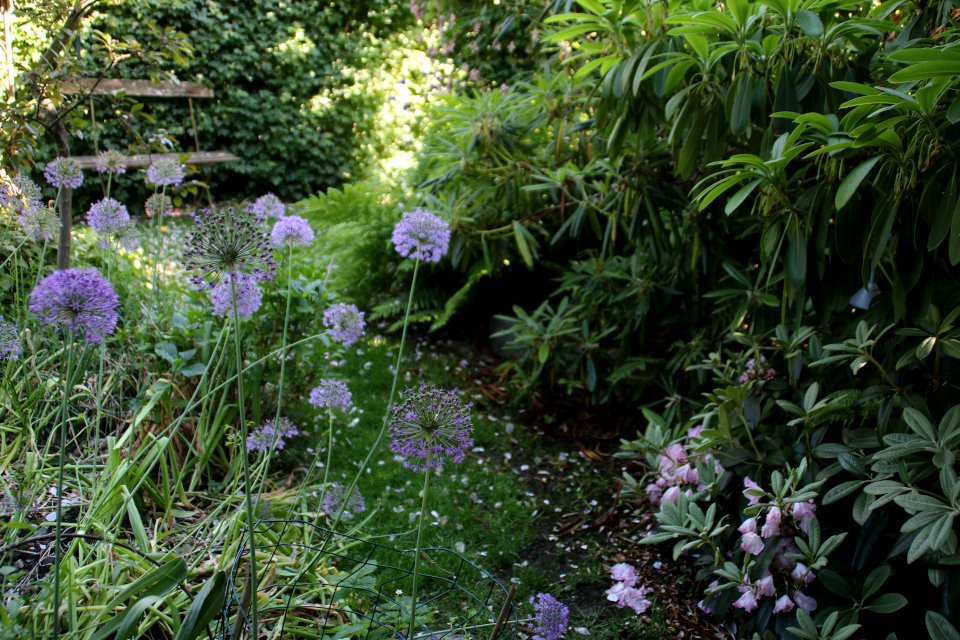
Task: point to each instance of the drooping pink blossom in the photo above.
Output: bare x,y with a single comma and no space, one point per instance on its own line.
752,543
748,526
748,601
784,605
765,586
801,572
806,603
672,494
750,484
802,513
772,525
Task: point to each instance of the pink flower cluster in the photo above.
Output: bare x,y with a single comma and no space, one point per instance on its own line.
624,591
757,369
677,469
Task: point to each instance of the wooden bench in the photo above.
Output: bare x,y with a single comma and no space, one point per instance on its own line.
147,89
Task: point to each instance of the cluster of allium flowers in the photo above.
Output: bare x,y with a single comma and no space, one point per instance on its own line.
82,299
107,215
335,498
19,192
157,201
421,235
111,162
757,369
227,241
677,468
431,424
268,206
331,394
292,231
125,236
165,172
10,347
625,592
552,617
63,172
272,433
40,221
344,323
247,292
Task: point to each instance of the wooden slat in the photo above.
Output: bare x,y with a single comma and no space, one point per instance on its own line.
146,159
139,88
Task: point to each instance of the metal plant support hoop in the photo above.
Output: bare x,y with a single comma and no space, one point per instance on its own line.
361,590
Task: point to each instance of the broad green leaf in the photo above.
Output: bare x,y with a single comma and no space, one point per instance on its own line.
810,23
853,180
927,70
940,628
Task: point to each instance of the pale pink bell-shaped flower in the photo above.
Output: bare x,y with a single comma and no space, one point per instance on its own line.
772,525
784,605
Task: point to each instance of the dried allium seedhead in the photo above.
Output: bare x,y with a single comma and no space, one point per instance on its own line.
111,162
107,215
429,425
331,394
228,241
421,235
271,434
552,619
40,221
247,292
165,173
64,172
156,202
19,193
292,231
10,347
82,299
125,236
344,322
268,206
336,497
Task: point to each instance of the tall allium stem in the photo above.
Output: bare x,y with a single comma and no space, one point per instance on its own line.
416,558
247,485
61,464
157,233
326,469
43,256
96,422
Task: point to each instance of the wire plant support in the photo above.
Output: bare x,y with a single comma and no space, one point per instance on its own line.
320,584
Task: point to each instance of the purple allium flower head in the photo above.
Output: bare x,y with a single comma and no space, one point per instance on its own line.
79,298
40,221
19,193
345,323
271,434
111,162
331,394
292,231
165,172
125,236
335,498
10,347
552,617
107,215
429,425
268,206
248,296
64,172
157,201
228,241
421,235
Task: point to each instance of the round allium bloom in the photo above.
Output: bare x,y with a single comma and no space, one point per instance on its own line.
271,434
82,299
292,231
331,394
268,206
228,241
64,172
344,322
552,618
165,172
248,296
431,424
10,347
107,215
19,193
111,162
156,202
40,221
421,235
336,497
125,236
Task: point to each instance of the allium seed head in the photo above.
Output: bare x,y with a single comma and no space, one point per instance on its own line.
107,215
247,291
157,201
336,497
111,162
40,221
125,236
552,619
19,193
431,424
227,241
10,347
82,299
344,322
331,394
271,434
165,172
421,235
292,231
64,172
268,206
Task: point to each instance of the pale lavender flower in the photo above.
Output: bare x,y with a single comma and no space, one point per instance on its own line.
552,618
156,202
268,206
331,394
345,323
40,221
335,498
271,434
421,235
165,172
430,425
226,241
292,231
111,162
19,192
125,236
107,215
247,292
10,347
82,299
64,172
